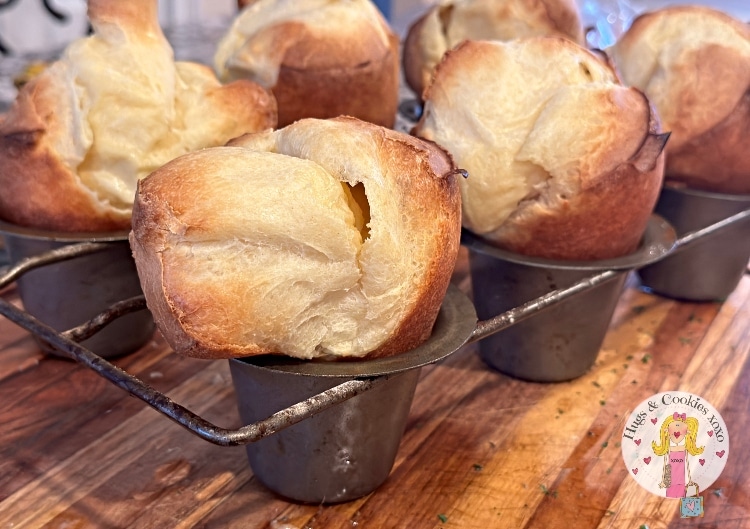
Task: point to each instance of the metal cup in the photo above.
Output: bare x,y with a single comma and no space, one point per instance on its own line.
341,454
65,294
710,269
561,342
347,450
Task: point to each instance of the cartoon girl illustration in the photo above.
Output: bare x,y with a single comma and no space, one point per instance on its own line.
677,438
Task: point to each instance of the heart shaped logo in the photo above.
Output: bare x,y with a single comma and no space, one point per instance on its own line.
635,471
647,460
653,421
677,435
690,505
710,433
720,453
702,461
637,441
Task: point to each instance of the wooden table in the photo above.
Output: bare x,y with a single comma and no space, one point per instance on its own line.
480,450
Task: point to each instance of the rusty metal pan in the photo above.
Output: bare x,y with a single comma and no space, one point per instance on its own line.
454,325
659,239
708,271
94,269
63,236
563,342
304,409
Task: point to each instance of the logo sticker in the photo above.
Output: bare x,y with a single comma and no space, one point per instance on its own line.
675,445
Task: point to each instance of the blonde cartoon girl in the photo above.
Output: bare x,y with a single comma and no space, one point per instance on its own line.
677,438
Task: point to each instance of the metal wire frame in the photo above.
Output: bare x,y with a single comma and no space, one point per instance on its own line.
66,343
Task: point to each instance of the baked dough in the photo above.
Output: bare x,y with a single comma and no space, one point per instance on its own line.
563,161
327,238
115,107
320,58
448,23
693,63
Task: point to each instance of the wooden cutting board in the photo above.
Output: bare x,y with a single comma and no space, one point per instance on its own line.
480,450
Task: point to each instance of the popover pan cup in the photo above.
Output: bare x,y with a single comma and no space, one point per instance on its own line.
348,450
561,342
68,293
711,268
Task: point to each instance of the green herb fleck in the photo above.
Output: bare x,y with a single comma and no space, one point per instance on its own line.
717,493
685,340
596,384
629,357
602,402
691,317
546,491
605,444
560,411
609,470
443,518
610,513
477,467
634,381
625,366
646,358
639,309
643,526
618,444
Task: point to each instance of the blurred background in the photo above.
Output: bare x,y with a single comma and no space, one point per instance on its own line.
32,26
38,29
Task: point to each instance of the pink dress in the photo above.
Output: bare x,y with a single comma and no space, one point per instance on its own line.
676,488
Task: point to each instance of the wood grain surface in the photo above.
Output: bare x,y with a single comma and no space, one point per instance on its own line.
480,450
